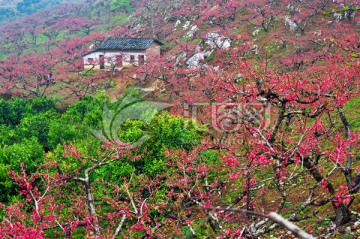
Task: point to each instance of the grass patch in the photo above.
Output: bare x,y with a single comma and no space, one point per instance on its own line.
352,111
118,19
209,58
354,103
41,38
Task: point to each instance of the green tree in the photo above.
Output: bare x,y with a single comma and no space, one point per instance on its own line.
122,5
37,126
29,152
13,111
165,131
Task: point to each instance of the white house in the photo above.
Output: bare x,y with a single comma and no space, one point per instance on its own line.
120,52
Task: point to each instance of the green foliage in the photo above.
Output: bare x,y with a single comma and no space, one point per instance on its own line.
31,127
186,38
60,131
27,151
116,171
33,130
41,38
168,45
211,157
121,5
37,126
164,131
9,114
209,58
237,30
8,135
87,111
187,232
7,187
13,111
172,132
305,210
355,103
352,110
118,19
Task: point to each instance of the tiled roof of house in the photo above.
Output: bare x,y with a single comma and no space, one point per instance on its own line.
127,44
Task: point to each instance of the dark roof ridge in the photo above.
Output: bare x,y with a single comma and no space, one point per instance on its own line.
126,43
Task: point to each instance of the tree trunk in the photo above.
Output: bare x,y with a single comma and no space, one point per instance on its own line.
342,213
91,205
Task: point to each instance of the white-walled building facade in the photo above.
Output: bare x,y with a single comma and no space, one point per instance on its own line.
121,52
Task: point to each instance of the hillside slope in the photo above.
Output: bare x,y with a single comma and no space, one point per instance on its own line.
12,10
267,85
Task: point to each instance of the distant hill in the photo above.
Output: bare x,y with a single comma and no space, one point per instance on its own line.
11,10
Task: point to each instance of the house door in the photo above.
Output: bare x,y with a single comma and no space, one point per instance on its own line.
119,61
141,60
102,61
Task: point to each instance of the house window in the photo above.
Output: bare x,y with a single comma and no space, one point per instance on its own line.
90,61
132,59
141,60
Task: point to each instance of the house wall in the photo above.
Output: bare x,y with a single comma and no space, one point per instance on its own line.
154,50
126,57
95,56
112,55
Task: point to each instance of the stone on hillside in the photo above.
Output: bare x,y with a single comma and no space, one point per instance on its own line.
256,32
186,25
192,31
254,49
214,40
179,57
338,16
178,22
196,59
291,23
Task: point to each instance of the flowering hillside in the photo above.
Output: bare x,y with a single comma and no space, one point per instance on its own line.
249,117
